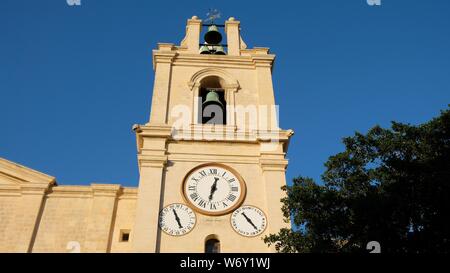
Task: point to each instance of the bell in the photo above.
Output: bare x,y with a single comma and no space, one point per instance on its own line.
219,50
204,50
213,35
212,98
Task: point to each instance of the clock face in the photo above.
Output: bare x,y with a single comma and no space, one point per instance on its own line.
177,219
249,221
213,189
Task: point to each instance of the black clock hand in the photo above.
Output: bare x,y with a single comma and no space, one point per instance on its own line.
249,221
177,218
213,188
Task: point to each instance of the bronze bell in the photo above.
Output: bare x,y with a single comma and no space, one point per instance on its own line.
219,50
213,35
212,98
204,50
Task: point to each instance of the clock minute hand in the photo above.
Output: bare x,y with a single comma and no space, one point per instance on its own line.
213,188
249,221
177,218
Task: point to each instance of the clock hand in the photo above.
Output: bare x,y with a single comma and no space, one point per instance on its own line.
177,218
213,188
249,221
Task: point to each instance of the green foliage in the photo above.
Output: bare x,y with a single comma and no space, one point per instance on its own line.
390,185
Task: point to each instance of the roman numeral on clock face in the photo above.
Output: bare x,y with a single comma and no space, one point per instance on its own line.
213,189
194,196
202,203
231,197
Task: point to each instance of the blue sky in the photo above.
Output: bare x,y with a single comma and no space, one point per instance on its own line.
73,80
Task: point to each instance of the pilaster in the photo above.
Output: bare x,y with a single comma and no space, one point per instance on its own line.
28,214
162,62
232,30
99,226
273,165
152,160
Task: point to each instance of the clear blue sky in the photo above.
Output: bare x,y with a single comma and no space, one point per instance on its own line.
73,80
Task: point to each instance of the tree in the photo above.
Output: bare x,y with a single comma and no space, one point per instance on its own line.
390,185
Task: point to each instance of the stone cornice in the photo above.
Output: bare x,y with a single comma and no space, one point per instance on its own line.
33,189
157,156
273,161
194,21
70,192
164,54
94,190
229,23
263,60
153,130
10,190
23,189
250,59
271,164
155,161
22,173
105,190
222,133
128,193
205,158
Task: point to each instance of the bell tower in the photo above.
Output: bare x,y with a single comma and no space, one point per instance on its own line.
212,158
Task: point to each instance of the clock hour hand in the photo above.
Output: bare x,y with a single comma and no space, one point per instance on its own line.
249,221
213,188
177,218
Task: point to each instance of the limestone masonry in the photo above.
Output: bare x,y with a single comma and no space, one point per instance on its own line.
194,173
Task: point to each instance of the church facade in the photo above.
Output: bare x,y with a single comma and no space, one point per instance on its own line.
211,159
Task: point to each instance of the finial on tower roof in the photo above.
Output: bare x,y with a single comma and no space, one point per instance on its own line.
212,15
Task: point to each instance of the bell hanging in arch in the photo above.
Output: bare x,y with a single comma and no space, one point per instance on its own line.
213,35
219,50
204,50
212,98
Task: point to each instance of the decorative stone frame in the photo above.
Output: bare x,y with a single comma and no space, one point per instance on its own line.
231,86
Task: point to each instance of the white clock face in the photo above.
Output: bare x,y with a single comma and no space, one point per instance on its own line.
213,189
177,219
249,221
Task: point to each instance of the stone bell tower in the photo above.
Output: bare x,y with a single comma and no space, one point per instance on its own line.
210,177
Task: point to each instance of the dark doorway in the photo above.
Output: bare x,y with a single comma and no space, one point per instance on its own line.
212,246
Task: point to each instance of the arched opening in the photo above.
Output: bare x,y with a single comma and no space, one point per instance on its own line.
213,107
212,246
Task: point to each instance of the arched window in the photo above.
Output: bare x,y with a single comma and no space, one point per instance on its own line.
213,108
223,83
212,246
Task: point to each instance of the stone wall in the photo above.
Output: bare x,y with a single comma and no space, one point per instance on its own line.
42,217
